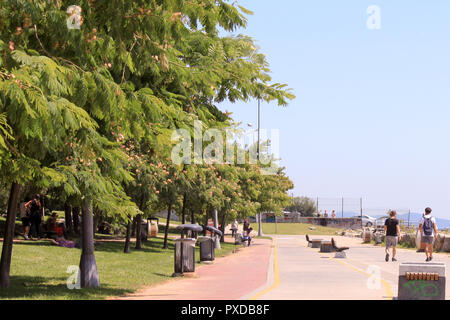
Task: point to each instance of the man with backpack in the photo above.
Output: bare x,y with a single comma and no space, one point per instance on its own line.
428,230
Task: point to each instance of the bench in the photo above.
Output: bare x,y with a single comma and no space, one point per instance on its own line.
326,246
241,240
340,251
313,243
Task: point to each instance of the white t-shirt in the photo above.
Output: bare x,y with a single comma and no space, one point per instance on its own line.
422,223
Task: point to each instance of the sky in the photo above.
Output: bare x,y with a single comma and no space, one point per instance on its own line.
371,115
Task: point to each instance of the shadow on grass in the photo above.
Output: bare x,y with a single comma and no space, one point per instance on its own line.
27,287
152,246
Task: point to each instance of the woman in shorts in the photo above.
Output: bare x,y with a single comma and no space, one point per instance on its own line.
392,229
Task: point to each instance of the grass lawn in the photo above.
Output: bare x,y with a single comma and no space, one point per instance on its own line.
39,271
163,222
296,229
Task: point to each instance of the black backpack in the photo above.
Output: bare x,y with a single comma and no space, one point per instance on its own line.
428,227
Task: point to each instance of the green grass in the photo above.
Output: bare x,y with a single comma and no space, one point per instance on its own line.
38,270
297,229
163,222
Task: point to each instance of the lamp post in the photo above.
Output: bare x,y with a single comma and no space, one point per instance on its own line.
258,151
260,233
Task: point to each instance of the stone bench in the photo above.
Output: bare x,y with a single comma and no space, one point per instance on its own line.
421,281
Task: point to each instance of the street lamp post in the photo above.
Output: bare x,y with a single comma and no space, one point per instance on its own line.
260,233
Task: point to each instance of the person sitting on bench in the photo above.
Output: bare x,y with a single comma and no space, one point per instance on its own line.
247,236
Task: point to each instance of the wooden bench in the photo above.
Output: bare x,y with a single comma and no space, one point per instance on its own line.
313,243
241,240
340,251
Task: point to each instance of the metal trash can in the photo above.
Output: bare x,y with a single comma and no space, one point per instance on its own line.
421,281
184,255
207,246
185,250
153,232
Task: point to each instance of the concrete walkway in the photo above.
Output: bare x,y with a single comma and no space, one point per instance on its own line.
301,273
229,278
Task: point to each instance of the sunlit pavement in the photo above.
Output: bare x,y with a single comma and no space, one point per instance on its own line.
229,278
302,273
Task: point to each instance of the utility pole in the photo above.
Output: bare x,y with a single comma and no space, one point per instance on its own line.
362,225
409,217
342,207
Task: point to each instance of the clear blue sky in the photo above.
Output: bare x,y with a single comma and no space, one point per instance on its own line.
371,118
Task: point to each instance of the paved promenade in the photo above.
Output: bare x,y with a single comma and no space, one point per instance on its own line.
229,278
286,269
302,273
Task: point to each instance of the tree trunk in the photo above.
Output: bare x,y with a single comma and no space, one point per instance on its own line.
76,219
138,232
88,266
183,211
68,219
206,222
192,217
166,232
5,263
95,221
127,239
222,226
133,228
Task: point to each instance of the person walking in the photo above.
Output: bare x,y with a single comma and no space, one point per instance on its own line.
333,214
234,228
246,225
35,208
428,229
25,217
393,236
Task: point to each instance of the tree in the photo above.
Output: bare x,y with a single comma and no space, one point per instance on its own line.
75,100
39,118
303,205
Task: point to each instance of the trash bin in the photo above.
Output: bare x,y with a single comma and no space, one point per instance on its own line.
145,230
366,235
153,227
185,250
184,255
208,244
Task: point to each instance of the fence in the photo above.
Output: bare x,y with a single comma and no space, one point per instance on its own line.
354,208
